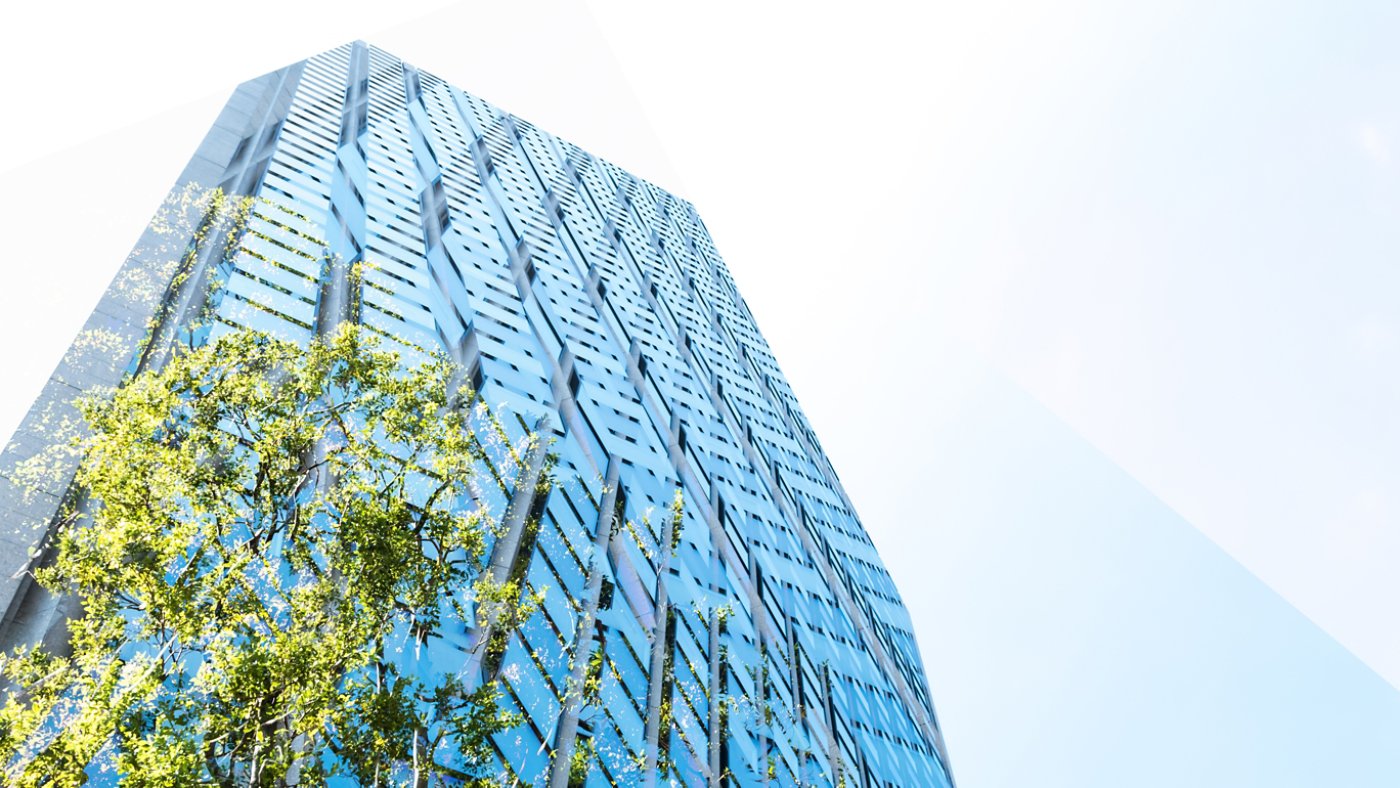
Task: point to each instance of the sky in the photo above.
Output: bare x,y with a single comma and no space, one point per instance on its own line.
1093,306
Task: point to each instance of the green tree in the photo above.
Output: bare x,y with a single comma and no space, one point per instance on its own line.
267,542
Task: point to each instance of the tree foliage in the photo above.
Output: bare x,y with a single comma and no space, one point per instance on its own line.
269,545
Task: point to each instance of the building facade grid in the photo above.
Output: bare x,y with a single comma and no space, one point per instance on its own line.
770,647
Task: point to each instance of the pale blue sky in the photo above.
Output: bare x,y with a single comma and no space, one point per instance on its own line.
1078,632
1092,304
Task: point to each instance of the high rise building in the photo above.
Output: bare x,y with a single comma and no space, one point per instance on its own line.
770,647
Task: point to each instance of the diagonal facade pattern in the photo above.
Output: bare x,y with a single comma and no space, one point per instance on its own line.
757,640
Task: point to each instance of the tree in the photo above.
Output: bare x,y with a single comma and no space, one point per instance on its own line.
268,543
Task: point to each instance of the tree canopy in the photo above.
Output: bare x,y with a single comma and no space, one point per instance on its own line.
267,542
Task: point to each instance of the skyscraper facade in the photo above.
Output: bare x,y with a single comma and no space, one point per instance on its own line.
756,641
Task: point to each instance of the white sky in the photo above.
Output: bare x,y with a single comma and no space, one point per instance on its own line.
1172,225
